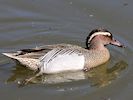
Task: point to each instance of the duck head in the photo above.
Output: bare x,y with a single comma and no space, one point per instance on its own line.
101,37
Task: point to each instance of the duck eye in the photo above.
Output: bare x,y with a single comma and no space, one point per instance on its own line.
108,36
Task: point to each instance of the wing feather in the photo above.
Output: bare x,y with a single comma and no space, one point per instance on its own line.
60,59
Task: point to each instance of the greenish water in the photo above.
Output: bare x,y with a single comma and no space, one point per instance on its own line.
31,23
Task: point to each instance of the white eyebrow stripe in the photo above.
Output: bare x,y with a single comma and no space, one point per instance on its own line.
99,33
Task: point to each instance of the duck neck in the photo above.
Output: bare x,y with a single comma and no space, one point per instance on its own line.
96,45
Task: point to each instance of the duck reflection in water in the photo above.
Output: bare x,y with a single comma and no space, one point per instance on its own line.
100,76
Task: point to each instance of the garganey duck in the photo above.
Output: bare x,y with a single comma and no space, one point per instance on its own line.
57,58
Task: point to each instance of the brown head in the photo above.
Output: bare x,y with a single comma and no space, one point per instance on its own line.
102,37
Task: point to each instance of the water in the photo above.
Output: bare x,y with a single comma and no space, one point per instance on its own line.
30,23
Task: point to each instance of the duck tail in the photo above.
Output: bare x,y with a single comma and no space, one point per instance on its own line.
11,55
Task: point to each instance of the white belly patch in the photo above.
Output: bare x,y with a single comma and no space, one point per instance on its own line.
63,62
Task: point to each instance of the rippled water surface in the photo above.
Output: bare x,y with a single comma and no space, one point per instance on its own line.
31,23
